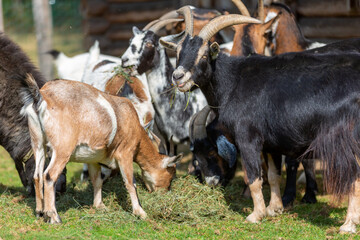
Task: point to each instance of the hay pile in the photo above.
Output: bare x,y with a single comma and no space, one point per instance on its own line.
188,201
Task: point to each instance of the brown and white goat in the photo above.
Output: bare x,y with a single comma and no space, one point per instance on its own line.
83,124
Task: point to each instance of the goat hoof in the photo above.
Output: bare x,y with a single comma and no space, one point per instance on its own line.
254,218
52,218
100,206
348,227
288,200
274,211
141,213
309,198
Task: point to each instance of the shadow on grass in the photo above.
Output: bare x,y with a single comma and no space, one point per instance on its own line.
78,194
319,214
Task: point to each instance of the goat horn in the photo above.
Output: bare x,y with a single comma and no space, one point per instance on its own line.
171,14
261,10
242,8
189,19
162,23
150,24
218,23
197,129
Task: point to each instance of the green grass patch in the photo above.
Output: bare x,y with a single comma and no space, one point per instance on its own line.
189,211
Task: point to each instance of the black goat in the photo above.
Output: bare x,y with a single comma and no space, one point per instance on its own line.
295,104
215,158
14,131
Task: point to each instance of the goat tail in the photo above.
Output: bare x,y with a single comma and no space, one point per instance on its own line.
338,148
33,108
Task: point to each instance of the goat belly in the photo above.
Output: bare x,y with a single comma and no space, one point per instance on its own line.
85,154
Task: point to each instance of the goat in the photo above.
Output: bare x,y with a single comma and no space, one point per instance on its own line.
290,104
215,157
14,132
83,124
146,55
280,30
73,68
103,72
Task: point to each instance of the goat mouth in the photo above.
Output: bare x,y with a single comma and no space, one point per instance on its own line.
185,86
132,69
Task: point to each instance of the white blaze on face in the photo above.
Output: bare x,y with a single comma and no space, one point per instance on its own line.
104,103
274,26
134,51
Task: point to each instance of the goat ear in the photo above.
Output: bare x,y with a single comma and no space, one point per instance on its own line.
214,50
136,31
171,41
171,161
226,150
268,25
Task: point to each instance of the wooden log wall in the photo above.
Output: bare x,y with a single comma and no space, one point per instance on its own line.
329,19
111,21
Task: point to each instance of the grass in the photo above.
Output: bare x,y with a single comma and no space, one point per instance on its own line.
189,211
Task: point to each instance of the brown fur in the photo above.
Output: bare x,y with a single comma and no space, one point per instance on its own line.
116,84
255,33
288,36
73,118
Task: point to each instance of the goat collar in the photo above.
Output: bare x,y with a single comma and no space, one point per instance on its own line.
28,156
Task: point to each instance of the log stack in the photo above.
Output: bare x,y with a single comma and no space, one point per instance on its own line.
329,19
111,21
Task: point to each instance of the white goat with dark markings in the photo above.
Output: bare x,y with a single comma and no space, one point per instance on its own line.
173,110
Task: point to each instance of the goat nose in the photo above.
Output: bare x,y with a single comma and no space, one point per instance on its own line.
178,75
212,181
124,59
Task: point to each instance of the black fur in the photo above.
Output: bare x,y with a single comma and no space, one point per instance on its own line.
207,161
288,104
14,133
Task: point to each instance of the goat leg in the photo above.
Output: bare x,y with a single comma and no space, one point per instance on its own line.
96,180
311,185
353,212
51,174
127,172
250,154
274,166
290,188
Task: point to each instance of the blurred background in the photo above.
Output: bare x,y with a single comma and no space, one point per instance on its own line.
77,24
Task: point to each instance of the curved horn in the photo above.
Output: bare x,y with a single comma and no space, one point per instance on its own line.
261,10
218,23
162,23
242,8
197,128
150,24
171,14
189,19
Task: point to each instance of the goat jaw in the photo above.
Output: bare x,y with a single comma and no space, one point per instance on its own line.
183,79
